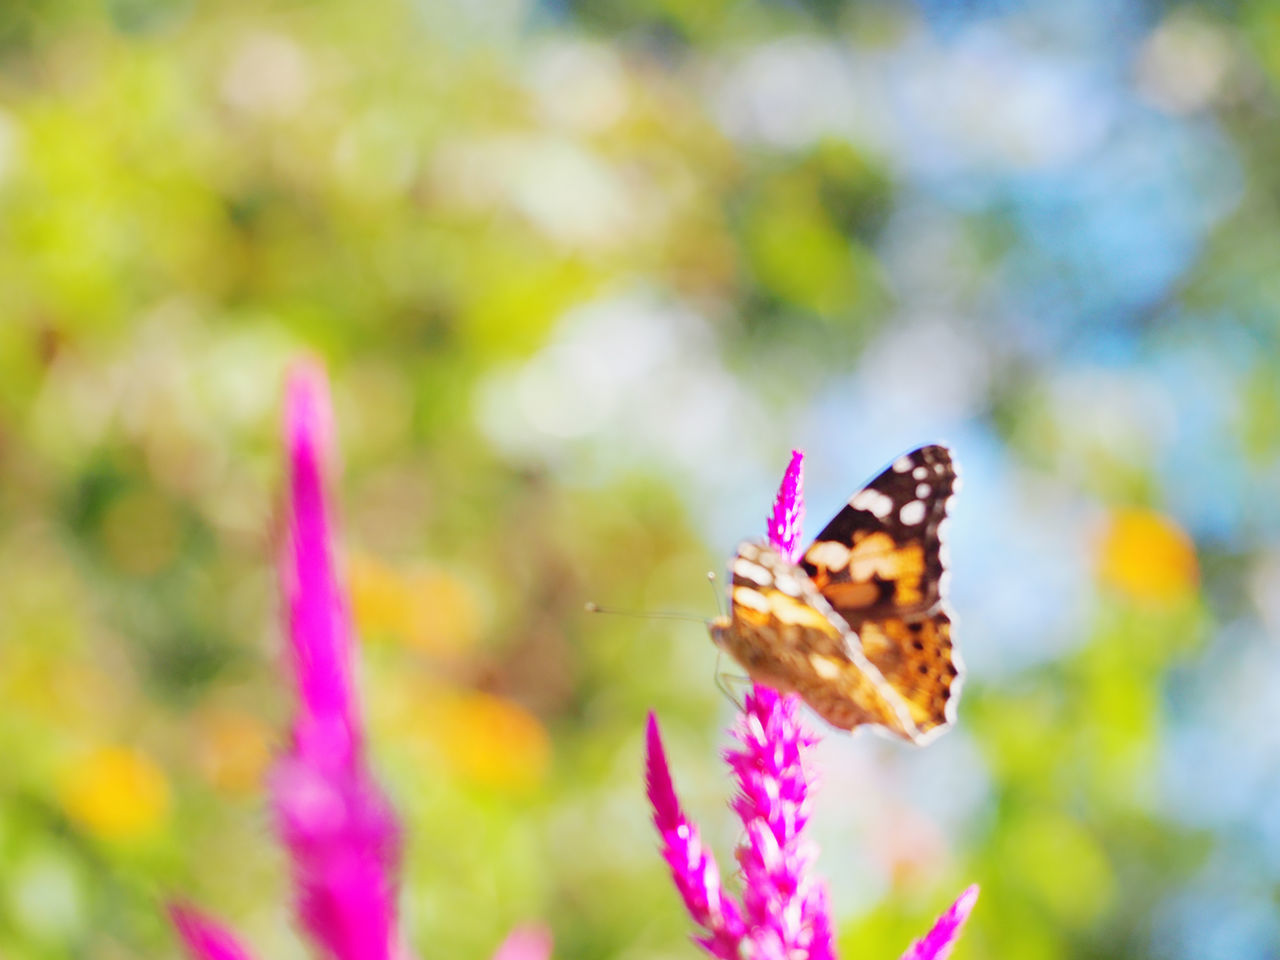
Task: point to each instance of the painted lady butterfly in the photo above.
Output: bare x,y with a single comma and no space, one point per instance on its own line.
860,627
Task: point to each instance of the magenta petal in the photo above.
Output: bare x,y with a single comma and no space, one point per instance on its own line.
787,519
525,943
693,868
661,792
344,843
340,831
785,905
327,723
205,939
822,944
937,943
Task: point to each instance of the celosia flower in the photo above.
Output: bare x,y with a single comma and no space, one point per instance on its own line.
693,866
204,937
787,519
937,943
784,912
786,906
339,829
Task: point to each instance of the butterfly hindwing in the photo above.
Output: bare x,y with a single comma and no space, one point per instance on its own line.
916,658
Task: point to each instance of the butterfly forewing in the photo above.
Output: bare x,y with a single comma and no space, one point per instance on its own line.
881,554
881,564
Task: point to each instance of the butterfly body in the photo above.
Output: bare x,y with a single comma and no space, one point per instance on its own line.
859,627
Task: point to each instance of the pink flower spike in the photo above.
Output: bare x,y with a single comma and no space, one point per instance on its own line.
937,943
339,829
788,509
205,939
785,913
693,868
327,723
786,906
525,943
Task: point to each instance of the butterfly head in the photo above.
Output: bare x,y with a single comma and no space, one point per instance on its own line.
720,628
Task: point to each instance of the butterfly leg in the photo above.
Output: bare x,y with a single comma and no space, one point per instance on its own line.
723,679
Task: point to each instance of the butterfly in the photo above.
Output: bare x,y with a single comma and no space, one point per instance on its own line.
859,628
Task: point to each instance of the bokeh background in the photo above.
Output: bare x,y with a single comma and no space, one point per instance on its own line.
583,273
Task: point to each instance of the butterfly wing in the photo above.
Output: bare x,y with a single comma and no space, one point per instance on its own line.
881,565
917,659
786,635
881,554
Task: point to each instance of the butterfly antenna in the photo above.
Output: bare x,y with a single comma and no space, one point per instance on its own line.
592,607
711,579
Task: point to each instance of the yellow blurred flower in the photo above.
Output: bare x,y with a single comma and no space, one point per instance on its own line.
233,749
1147,556
429,610
485,739
116,793
495,742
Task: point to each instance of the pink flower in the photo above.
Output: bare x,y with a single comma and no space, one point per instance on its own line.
784,909
787,519
784,913
204,937
693,866
786,905
937,943
340,831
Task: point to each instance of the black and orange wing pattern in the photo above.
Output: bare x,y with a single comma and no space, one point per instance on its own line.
860,627
881,563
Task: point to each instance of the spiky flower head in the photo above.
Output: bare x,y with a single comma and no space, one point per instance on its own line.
784,913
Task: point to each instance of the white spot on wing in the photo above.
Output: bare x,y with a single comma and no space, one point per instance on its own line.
912,513
787,584
824,667
751,571
746,597
828,554
920,472
872,501
902,464
923,490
